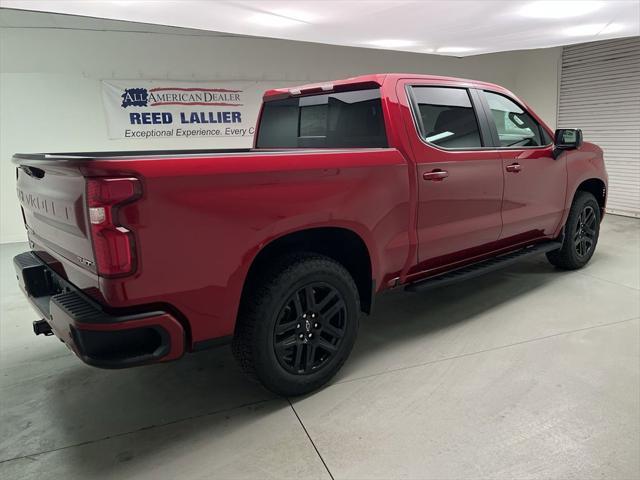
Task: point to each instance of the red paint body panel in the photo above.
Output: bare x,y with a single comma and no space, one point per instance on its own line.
203,218
534,197
213,224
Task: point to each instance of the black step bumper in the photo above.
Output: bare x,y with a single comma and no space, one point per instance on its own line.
99,337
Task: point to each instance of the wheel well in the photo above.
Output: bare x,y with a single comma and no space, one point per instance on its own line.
596,187
340,244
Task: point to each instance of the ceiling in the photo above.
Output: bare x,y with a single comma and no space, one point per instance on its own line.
10,18
454,27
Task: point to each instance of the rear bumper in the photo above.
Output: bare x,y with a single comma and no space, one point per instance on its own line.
99,338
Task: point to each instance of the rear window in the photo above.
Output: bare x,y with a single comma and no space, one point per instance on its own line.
334,120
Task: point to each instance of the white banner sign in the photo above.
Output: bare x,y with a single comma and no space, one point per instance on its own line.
166,109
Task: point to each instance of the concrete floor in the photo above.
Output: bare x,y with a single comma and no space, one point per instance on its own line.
524,373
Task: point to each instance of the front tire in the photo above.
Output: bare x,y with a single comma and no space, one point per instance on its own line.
581,234
297,323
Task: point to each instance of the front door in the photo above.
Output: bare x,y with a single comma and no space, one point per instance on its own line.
535,183
460,179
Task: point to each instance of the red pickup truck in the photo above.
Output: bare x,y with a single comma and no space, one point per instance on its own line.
353,187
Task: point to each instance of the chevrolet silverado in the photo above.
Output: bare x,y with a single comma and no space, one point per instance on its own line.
351,188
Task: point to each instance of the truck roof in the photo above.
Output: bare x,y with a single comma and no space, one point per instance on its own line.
369,81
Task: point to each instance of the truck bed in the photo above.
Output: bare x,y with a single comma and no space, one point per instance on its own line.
199,211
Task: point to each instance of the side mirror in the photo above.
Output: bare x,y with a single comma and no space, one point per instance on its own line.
566,139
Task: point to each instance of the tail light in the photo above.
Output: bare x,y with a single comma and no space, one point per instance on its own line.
113,244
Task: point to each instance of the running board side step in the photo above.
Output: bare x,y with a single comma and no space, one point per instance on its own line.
480,268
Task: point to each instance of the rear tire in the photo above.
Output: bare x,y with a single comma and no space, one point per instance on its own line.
581,234
297,323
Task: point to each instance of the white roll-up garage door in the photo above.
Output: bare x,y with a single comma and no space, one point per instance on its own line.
600,93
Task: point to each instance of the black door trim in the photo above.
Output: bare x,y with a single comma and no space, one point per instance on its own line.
487,127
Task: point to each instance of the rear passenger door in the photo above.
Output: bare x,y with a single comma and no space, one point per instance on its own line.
535,182
459,175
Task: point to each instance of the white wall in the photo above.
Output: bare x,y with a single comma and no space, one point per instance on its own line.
50,96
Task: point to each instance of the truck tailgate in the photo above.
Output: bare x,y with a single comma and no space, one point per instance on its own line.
54,209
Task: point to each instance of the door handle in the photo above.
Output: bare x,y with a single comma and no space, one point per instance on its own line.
436,175
514,168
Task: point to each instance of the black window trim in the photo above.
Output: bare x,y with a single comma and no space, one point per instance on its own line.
494,130
484,130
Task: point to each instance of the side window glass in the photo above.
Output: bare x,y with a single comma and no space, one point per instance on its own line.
516,128
447,117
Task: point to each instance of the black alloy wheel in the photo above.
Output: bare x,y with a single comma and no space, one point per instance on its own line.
585,232
297,323
582,230
309,328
